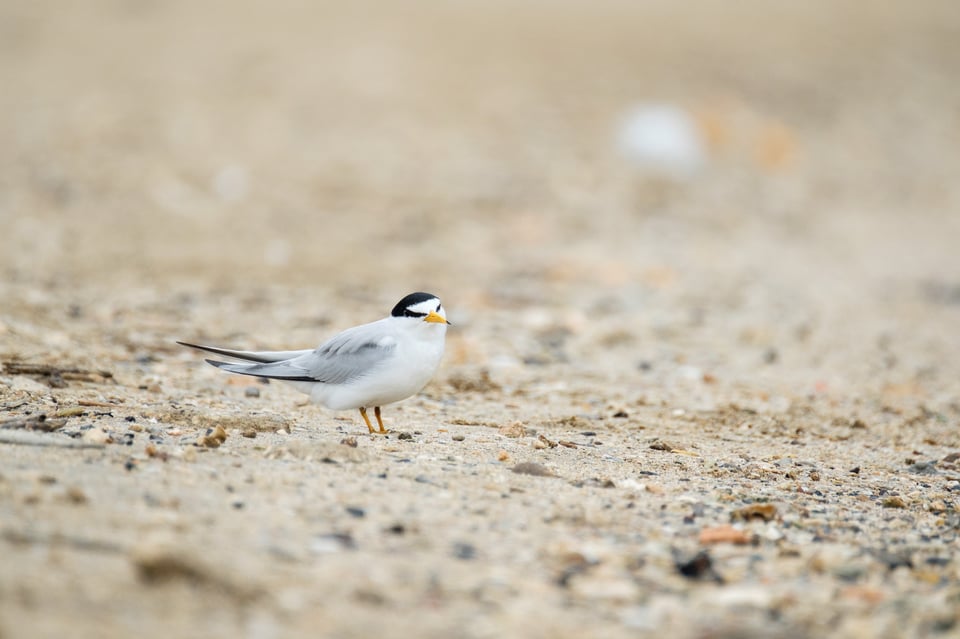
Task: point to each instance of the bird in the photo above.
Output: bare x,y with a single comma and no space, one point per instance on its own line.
366,366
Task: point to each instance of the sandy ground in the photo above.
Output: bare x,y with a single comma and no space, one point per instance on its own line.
719,404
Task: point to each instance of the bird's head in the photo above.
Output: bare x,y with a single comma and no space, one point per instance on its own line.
422,307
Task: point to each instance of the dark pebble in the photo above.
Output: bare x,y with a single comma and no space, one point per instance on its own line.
621,414
251,391
698,567
894,560
353,511
924,468
405,436
344,540
464,551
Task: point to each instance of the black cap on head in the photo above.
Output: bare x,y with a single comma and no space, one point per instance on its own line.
413,298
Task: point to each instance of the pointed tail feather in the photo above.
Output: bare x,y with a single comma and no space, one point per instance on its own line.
262,357
280,371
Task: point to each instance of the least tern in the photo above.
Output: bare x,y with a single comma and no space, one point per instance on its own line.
365,366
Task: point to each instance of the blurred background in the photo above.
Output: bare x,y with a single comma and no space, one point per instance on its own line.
657,157
645,218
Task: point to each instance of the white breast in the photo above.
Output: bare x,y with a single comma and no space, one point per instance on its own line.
411,365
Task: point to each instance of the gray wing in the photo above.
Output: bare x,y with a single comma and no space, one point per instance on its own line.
346,356
351,354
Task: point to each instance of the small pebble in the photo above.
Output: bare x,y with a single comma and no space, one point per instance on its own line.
349,441
458,438
849,571
251,391
546,442
924,468
332,543
152,451
464,551
76,496
532,468
761,512
503,455
514,430
97,436
659,444
700,566
405,436
213,437
249,432
724,535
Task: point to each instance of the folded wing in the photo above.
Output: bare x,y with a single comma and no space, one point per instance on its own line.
347,356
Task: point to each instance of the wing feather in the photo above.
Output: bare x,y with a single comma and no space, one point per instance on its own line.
350,354
250,356
346,356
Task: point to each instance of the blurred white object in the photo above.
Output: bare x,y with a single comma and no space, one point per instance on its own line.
663,140
231,183
277,252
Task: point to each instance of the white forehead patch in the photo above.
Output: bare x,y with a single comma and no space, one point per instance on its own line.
426,306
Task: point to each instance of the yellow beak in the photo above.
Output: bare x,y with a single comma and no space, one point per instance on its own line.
434,318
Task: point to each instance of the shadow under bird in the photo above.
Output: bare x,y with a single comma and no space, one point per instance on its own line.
366,366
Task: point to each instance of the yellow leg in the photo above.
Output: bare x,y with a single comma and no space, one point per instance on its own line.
376,411
363,413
